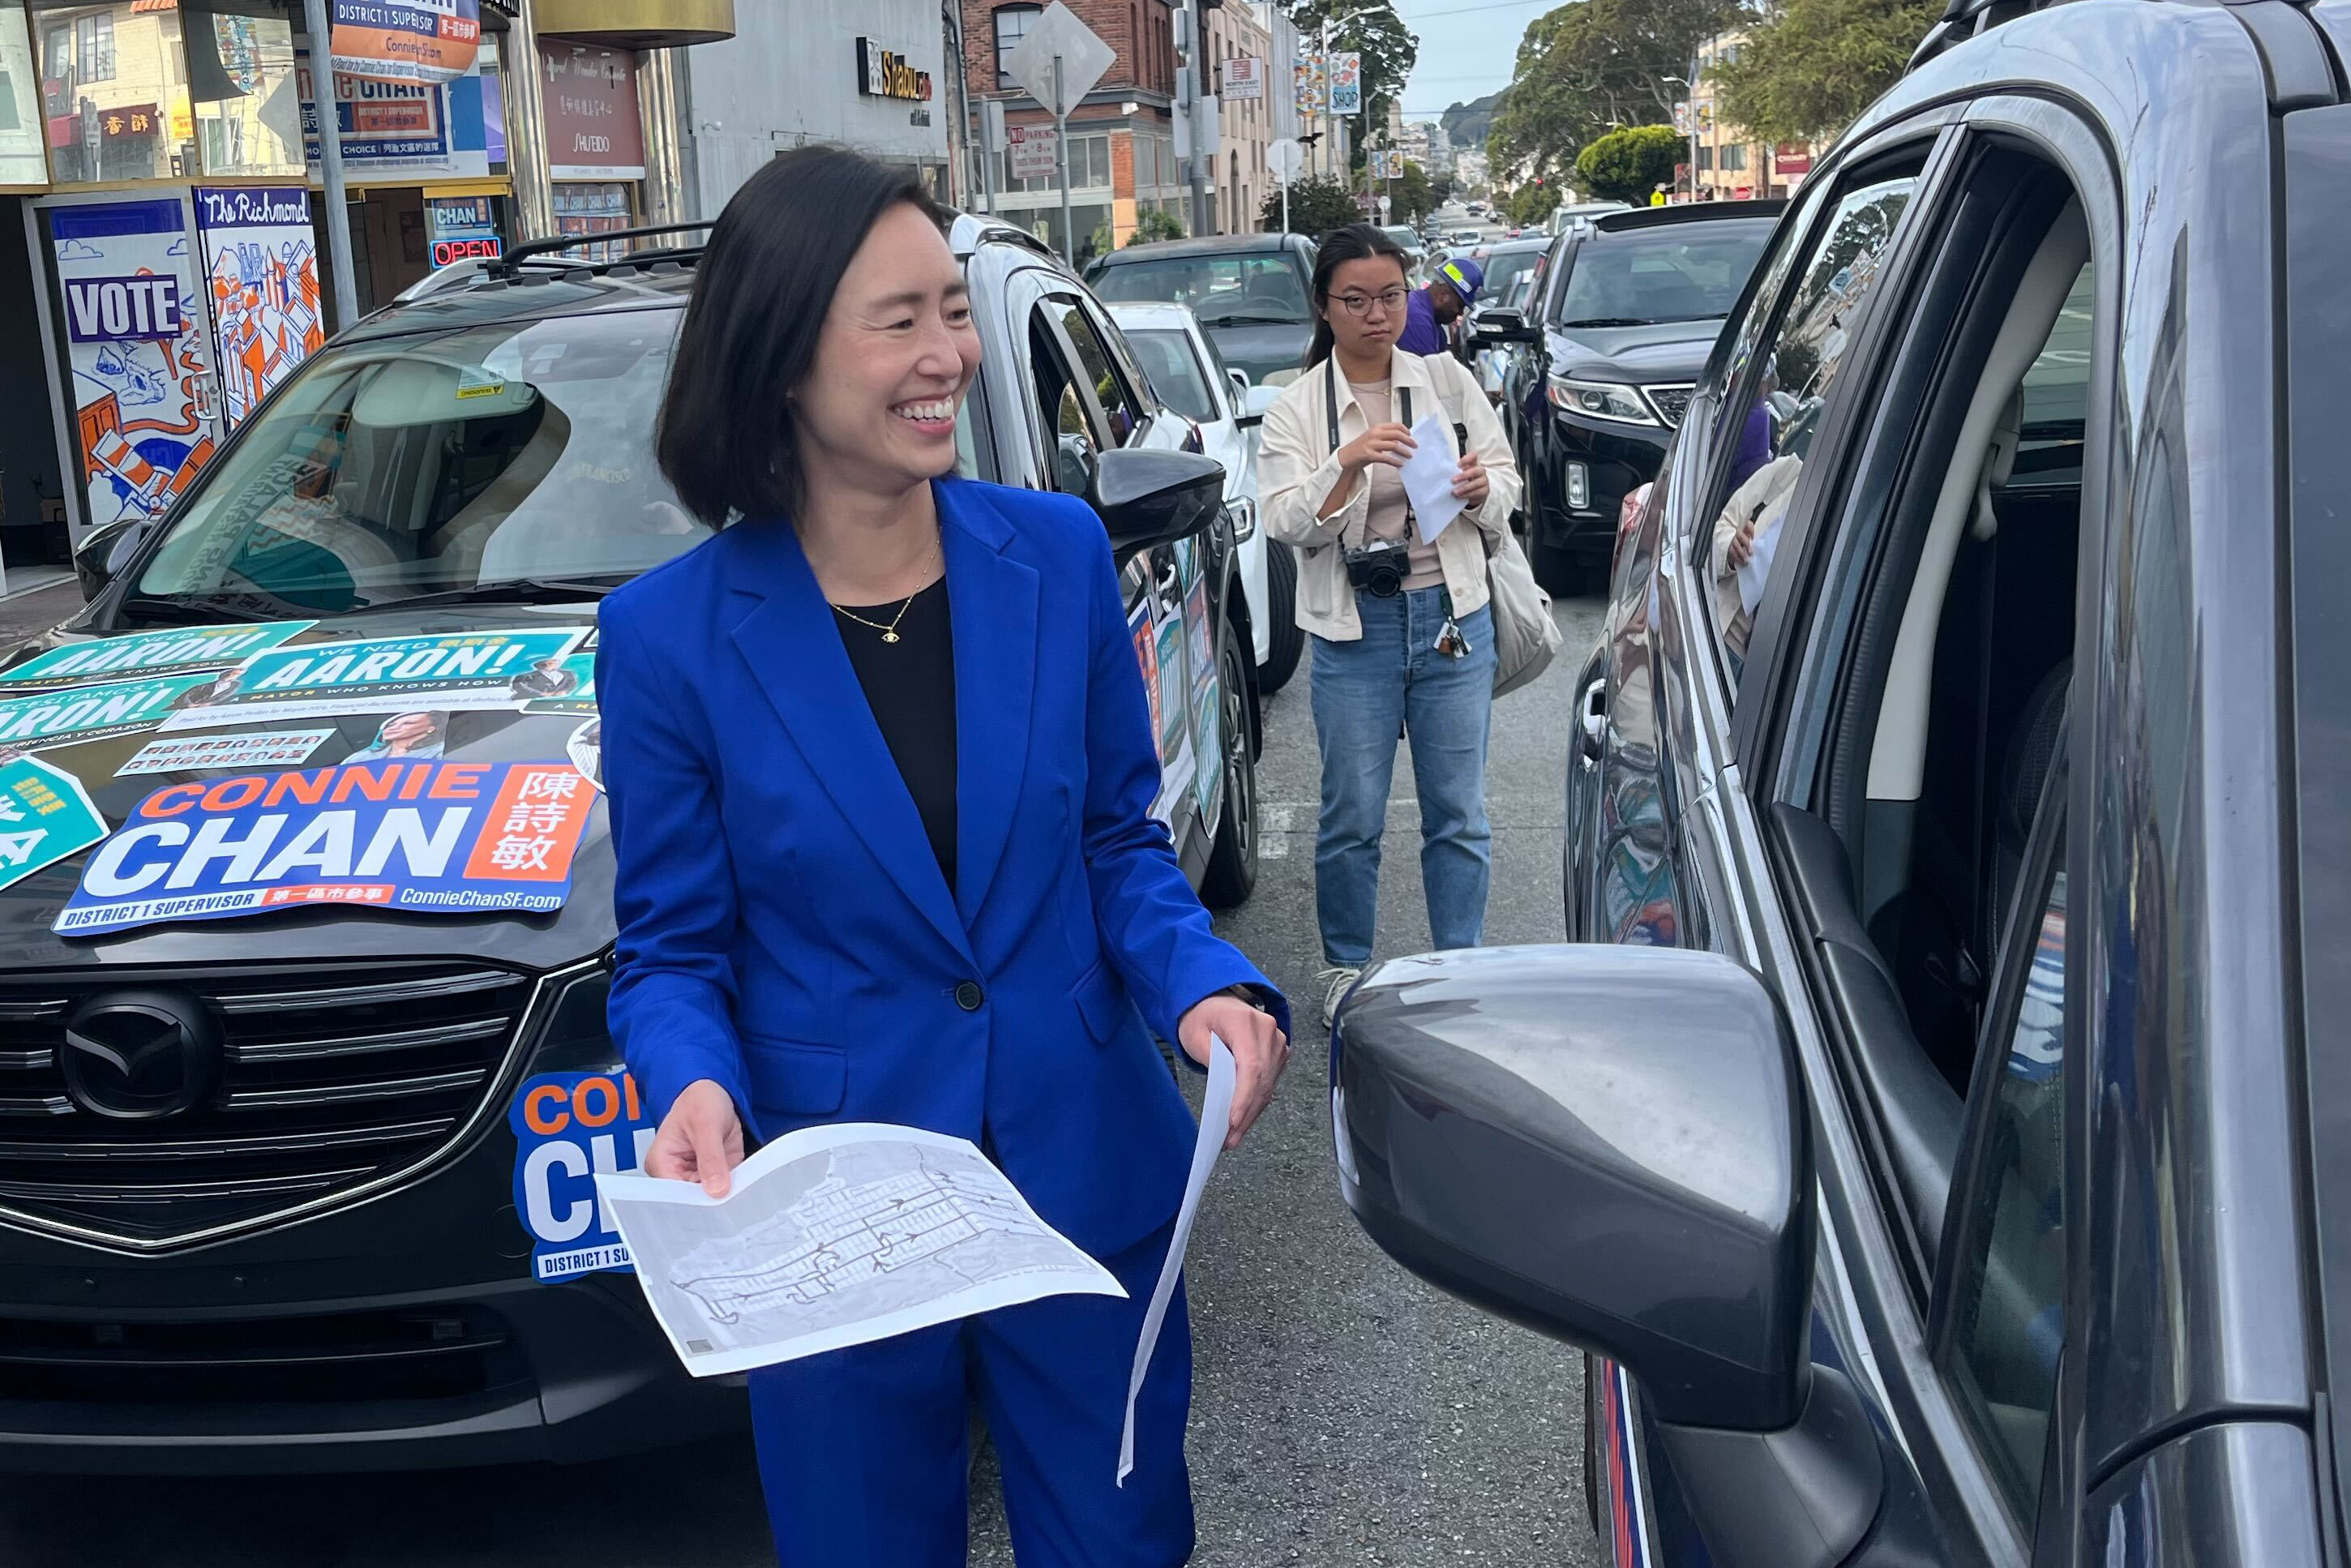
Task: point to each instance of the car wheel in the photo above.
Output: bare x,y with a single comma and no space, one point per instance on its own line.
1285,640
1232,859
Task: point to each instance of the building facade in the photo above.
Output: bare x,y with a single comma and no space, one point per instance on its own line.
1242,30
1729,163
1122,151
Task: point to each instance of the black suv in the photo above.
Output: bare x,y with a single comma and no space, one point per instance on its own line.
1947,1157
1632,303
312,1187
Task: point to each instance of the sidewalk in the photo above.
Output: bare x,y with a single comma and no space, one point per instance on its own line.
28,614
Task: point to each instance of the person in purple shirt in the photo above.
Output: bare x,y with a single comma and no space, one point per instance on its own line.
1431,310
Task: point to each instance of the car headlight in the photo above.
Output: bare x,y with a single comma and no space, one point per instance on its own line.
1244,515
1598,400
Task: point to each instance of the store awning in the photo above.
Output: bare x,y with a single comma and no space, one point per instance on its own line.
636,24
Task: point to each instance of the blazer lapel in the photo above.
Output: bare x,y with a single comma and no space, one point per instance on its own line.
795,655
993,600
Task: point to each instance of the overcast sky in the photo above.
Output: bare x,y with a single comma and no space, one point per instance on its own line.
1466,49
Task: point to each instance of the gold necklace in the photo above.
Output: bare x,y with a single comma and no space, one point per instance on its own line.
889,630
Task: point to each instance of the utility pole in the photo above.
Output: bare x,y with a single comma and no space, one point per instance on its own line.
1193,41
336,198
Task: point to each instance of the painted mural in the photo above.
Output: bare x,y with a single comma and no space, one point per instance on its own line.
262,274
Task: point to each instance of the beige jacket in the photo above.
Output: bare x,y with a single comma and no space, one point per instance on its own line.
1296,471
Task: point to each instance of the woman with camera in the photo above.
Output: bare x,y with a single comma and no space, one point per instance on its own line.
1403,636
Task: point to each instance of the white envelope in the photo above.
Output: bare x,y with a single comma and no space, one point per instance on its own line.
1428,475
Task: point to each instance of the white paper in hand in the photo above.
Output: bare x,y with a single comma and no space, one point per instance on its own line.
834,1236
1428,475
1216,1120
1756,575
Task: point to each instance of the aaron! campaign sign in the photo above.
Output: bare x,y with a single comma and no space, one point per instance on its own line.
450,838
469,670
142,652
45,719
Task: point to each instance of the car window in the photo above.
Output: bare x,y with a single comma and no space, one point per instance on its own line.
1176,373
1119,403
2056,396
2008,1285
1222,290
1681,272
1800,360
1503,272
1073,432
427,464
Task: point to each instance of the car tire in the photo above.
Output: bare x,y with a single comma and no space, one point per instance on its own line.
1231,875
1285,640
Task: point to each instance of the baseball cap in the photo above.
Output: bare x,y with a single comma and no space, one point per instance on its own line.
1465,277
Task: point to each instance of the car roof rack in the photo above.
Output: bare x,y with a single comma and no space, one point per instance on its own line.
548,252
1682,213
1965,19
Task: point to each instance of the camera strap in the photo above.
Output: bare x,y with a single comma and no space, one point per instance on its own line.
1331,400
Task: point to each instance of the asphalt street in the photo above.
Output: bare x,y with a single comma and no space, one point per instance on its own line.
1344,1413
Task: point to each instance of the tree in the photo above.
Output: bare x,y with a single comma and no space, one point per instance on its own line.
1316,207
1414,197
1595,66
1529,205
1626,166
1807,72
1155,223
1372,30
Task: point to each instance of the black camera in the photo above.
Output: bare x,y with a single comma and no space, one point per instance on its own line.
1380,568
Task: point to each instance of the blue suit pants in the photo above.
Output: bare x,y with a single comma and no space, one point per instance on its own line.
864,1452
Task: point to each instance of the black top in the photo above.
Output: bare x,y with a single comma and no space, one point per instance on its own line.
910,686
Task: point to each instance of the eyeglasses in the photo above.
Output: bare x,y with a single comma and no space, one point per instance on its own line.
1390,300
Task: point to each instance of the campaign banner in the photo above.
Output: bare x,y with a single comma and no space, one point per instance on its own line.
195,753
45,816
569,1128
143,653
586,749
43,719
262,272
406,40
440,837
569,687
468,671
392,128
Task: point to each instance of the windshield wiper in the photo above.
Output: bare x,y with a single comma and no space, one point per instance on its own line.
206,609
1246,319
1610,321
505,591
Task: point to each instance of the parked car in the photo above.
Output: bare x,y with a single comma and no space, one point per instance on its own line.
311,1187
1249,291
1635,301
1188,375
1407,236
1939,1148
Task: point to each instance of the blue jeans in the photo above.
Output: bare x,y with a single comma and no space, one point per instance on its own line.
1364,693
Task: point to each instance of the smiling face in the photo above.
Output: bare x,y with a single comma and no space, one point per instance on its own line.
896,355
1377,283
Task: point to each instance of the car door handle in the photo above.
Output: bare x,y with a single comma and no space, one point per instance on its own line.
1592,726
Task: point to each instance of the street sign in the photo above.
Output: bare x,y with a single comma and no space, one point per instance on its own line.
1033,149
1285,157
1385,206
1244,77
1084,56
991,125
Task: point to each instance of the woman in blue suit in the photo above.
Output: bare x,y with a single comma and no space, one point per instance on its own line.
881,768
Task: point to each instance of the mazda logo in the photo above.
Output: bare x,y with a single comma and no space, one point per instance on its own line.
137,1056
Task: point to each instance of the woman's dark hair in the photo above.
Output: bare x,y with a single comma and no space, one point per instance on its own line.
760,294
1357,241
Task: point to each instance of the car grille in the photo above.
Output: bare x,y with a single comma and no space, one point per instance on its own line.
330,1080
1671,404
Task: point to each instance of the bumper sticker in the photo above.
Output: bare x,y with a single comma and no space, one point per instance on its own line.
568,1126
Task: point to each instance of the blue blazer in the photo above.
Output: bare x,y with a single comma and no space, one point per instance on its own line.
784,927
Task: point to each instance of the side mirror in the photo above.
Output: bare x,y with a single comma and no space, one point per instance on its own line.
1256,403
1241,382
1497,324
1148,498
1610,1146
104,552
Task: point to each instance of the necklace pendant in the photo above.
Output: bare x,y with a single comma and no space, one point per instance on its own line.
889,636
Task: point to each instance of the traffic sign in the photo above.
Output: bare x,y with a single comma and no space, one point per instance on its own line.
1286,157
1033,149
1059,34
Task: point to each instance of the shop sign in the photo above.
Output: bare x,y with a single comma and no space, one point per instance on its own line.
1788,160
882,74
427,41
1244,77
592,129
262,270
1346,83
136,352
461,227
399,127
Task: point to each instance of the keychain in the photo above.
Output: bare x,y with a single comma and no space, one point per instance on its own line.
1449,640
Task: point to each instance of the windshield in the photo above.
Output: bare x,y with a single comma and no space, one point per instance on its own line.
391,469
1503,271
1174,374
1688,272
1222,290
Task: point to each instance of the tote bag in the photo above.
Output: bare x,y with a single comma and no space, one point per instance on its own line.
1525,636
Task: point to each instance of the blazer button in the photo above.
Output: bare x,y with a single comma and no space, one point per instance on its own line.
968,995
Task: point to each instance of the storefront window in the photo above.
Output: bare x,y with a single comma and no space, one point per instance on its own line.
23,157
114,90
593,209
240,79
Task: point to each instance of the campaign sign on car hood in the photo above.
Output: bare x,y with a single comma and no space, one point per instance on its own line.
42,719
45,816
448,838
384,674
143,652
568,1126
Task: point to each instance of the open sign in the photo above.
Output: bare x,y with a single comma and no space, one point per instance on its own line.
445,251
